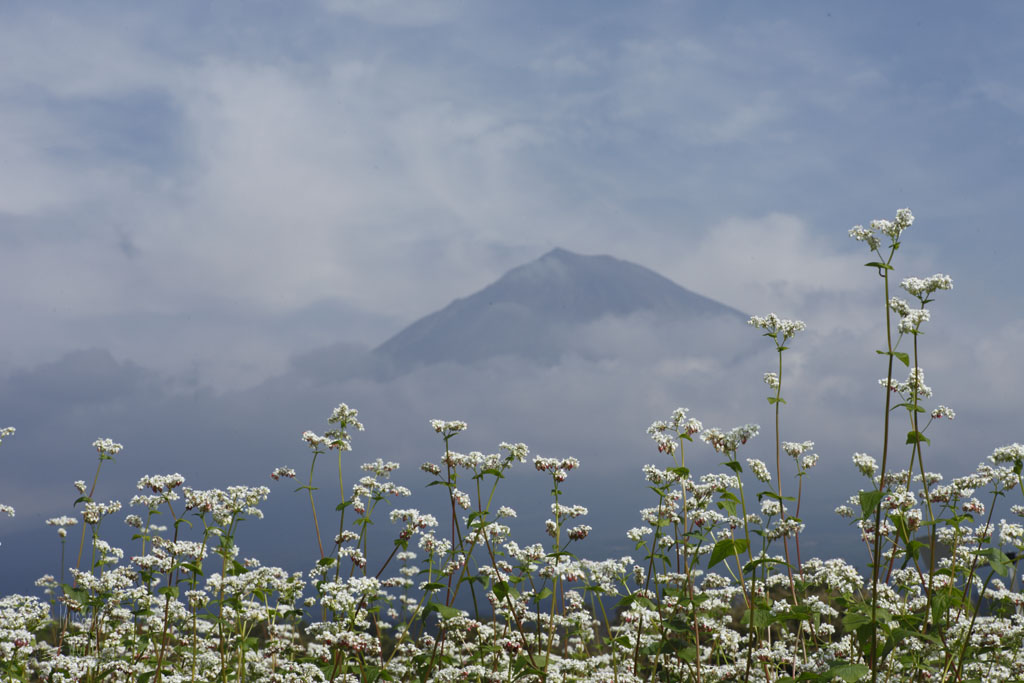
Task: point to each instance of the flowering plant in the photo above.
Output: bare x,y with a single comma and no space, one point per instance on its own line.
718,590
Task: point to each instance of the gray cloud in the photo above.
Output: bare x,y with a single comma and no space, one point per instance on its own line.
292,187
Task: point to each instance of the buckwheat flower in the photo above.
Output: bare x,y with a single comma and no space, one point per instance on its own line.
943,411
1013,453
915,382
80,486
506,512
94,511
771,379
678,423
922,287
448,428
862,234
973,505
564,511
865,463
63,520
770,507
516,451
461,498
160,483
899,306
7,510
636,534
666,444
729,441
844,511
314,440
777,327
286,472
5,432
430,468
759,469
106,447
809,461
796,449
911,322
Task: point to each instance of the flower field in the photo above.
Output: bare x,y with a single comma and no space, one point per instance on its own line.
717,588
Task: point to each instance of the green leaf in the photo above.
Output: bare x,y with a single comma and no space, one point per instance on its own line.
914,548
854,620
681,472
763,618
734,466
917,437
869,500
722,550
904,357
501,590
879,264
646,603
849,672
171,591
448,612
772,400
997,559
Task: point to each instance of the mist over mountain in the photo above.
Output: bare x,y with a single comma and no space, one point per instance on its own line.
540,312
573,355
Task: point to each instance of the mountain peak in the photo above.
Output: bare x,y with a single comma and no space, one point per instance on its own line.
528,312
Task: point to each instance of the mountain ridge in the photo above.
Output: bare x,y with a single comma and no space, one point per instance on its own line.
533,310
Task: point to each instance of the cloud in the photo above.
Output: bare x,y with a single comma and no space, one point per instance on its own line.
398,13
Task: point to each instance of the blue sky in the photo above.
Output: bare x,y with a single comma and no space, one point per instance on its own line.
204,191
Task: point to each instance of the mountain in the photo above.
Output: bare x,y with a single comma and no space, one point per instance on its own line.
539,312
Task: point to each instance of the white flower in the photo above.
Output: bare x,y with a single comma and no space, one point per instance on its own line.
1008,454
922,287
771,379
865,463
899,306
862,234
777,327
892,229
912,320
344,417
796,449
759,469
286,472
448,428
107,447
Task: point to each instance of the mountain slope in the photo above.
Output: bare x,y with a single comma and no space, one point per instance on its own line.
537,310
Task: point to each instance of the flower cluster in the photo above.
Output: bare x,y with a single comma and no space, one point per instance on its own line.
776,327
892,229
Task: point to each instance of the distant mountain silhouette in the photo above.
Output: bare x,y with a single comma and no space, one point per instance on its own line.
533,311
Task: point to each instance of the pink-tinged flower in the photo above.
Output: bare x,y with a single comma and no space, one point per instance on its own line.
285,472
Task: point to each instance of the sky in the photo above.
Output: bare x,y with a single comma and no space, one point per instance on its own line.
197,196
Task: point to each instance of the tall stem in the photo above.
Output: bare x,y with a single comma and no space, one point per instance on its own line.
877,559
